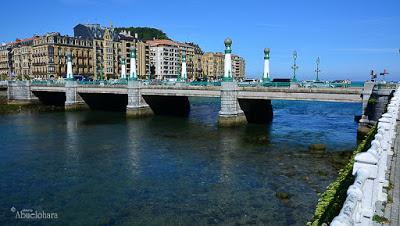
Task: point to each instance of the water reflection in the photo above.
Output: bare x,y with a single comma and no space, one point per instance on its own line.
71,142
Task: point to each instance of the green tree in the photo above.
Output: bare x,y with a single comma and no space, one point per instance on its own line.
144,33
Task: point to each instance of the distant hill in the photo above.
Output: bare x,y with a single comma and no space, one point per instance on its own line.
144,33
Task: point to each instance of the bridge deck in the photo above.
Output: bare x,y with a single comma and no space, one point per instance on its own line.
270,93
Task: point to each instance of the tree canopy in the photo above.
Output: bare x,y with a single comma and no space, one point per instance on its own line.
144,33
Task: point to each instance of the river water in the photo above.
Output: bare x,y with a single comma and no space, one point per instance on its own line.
98,168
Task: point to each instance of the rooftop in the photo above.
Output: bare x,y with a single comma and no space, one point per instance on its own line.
162,42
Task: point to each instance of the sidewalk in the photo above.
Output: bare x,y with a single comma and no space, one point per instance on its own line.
392,207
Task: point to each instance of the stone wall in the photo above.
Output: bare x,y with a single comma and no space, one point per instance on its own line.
377,104
20,90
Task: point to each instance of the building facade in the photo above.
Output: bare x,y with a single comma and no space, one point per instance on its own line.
109,47
142,53
97,52
22,58
6,60
194,62
143,59
49,56
238,67
213,66
165,58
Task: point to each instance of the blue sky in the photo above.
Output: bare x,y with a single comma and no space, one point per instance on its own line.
351,37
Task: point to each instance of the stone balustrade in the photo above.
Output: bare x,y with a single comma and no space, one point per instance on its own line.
370,170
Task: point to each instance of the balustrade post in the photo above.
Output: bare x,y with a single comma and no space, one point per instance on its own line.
368,162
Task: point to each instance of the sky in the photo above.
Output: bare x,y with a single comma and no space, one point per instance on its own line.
351,37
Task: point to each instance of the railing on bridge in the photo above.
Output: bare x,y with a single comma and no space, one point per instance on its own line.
48,82
386,85
276,84
205,83
119,82
124,82
188,83
369,170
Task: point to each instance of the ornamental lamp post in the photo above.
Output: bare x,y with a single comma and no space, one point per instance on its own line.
70,75
101,72
133,73
228,61
178,76
294,67
317,70
183,68
123,67
266,77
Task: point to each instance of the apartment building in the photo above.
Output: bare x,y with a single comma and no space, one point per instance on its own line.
105,48
143,59
165,58
6,60
213,66
22,57
49,56
142,53
238,67
109,46
195,61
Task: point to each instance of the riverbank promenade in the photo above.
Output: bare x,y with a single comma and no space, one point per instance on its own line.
392,212
372,189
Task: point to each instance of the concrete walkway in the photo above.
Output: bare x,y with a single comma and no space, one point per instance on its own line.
392,212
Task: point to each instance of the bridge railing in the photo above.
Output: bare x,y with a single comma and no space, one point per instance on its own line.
172,83
124,82
104,83
48,82
386,85
276,84
204,83
369,170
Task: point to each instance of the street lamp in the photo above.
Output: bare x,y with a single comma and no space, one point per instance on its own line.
101,72
294,67
317,70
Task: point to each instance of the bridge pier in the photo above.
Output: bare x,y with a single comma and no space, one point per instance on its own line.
366,94
20,91
230,114
72,99
374,102
137,106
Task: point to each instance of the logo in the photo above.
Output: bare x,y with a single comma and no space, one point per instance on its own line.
31,214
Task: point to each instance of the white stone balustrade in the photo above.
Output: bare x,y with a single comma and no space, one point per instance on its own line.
370,170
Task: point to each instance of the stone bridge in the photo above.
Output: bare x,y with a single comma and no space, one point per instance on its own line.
239,104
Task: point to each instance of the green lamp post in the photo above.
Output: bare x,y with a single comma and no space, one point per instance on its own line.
133,73
101,72
317,71
179,76
294,67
